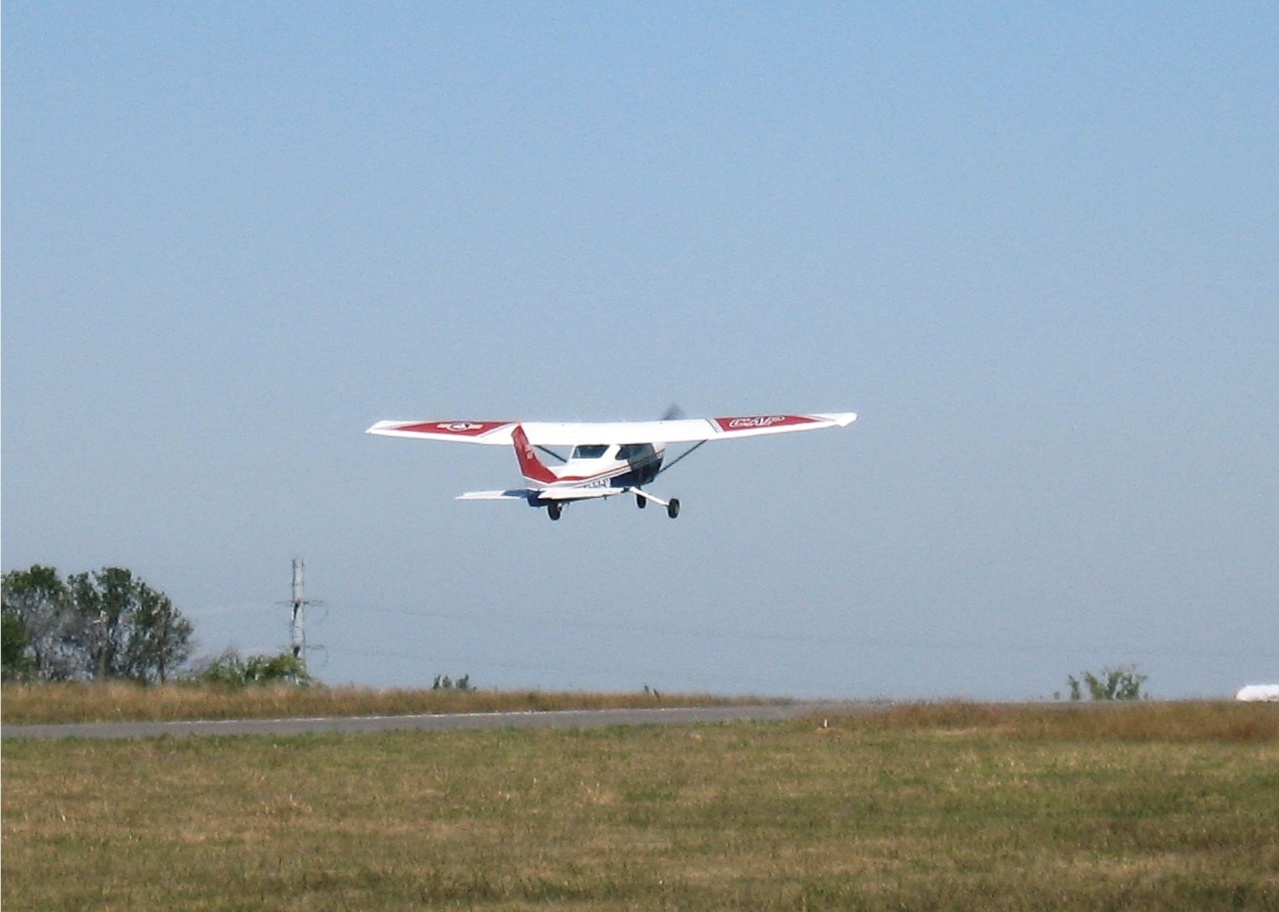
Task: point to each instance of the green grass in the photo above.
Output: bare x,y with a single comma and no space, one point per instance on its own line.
1151,806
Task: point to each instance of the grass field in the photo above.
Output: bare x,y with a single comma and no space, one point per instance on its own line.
23,704
1148,806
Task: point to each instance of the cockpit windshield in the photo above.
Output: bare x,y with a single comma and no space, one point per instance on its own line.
590,451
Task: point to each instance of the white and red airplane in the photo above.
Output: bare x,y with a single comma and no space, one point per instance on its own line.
607,458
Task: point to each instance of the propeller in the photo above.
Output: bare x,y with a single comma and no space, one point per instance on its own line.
674,413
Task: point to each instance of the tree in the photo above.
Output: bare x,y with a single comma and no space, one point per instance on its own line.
15,664
161,640
128,629
1119,683
106,624
37,601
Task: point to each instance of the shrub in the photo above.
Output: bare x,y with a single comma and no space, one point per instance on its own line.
233,670
444,682
1119,683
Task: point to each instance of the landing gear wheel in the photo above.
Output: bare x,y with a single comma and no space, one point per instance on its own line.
553,510
672,508
641,501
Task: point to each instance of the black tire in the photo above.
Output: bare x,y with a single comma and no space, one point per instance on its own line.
553,510
672,508
641,501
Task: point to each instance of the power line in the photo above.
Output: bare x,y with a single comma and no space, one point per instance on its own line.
931,644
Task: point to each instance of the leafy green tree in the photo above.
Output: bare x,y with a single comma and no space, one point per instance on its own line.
37,602
1119,683
15,664
160,642
128,629
107,624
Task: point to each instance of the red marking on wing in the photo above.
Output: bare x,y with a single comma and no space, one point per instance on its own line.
453,428
757,422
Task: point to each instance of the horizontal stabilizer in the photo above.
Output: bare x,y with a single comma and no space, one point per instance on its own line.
571,492
517,494
545,494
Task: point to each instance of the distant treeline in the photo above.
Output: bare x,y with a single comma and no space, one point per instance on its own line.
100,625
111,626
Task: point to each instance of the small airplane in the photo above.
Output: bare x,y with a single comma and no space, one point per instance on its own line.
607,458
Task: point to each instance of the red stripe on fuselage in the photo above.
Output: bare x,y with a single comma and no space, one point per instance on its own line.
599,476
534,470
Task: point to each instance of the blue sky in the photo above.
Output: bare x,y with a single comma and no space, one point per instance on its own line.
1035,247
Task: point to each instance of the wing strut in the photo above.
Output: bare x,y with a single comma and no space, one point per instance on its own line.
688,452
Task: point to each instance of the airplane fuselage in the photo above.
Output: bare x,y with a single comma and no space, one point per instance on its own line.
622,466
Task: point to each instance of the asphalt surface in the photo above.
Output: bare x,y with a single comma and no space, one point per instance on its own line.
579,718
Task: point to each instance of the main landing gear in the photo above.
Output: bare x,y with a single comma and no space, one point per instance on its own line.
642,499
555,508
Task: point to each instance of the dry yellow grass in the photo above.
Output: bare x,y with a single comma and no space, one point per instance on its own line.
22,704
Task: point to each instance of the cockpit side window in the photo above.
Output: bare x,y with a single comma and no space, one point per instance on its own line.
631,452
589,451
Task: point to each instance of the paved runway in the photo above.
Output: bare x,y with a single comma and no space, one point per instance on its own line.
581,718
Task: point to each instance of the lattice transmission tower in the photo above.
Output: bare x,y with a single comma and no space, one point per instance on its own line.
297,627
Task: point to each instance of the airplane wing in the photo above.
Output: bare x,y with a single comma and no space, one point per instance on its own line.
573,433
